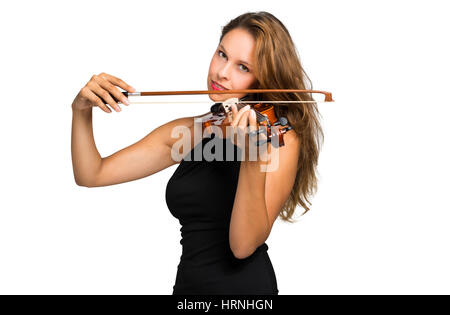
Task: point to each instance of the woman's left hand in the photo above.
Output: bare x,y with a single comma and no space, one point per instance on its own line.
244,122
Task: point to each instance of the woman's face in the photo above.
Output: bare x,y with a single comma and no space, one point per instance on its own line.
232,65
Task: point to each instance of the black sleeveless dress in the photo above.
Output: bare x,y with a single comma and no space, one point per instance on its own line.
200,194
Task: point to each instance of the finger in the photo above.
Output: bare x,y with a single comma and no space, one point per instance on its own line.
252,120
234,110
242,128
234,113
106,97
238,116
243,121
252,131
252,127
97,101
118,82
105,84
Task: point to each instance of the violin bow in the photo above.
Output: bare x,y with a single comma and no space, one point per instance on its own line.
328,96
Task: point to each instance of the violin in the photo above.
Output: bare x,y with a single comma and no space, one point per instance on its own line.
220,114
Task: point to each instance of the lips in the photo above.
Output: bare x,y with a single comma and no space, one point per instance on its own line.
217,86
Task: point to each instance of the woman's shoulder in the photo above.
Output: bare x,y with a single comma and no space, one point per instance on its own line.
185,121
292,139
180,129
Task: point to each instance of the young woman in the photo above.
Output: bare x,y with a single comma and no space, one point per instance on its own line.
226,208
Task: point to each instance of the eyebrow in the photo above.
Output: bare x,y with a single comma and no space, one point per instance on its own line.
241,61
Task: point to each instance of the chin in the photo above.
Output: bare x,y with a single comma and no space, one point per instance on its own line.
217,97
221,97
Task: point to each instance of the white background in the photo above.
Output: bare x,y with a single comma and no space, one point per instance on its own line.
379,222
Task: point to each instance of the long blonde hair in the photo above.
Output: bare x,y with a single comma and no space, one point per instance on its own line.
279,67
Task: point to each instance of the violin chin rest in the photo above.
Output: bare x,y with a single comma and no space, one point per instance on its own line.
215,109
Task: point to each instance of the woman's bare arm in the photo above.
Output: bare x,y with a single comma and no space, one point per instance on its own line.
149,155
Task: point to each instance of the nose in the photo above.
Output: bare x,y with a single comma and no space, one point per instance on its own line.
224,72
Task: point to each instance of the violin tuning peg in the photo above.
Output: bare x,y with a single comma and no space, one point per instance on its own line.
260,142
283,121
287,129
256,132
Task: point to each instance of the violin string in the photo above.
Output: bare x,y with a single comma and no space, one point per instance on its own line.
253,102
259,117
206,102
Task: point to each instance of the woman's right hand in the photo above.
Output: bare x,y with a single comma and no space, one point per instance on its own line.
101,89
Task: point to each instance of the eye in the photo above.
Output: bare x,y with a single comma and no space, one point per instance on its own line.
244,68
220,53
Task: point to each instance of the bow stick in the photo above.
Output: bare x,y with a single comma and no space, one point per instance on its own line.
328,96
